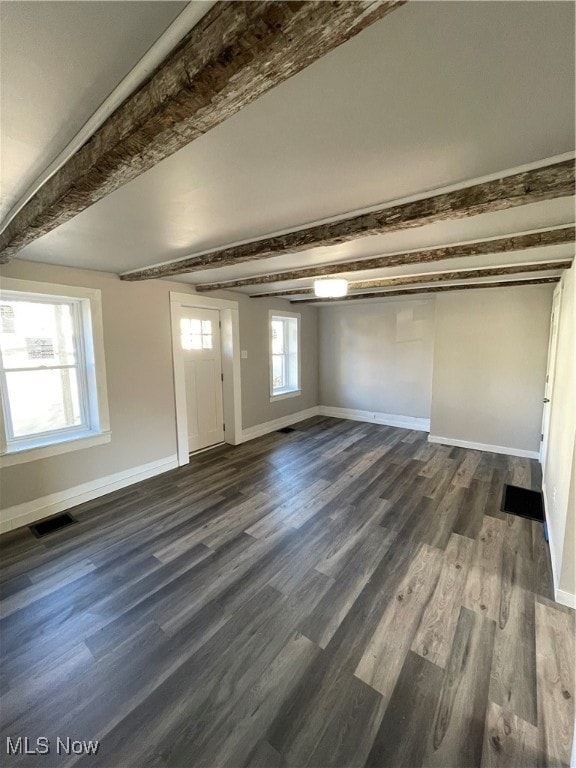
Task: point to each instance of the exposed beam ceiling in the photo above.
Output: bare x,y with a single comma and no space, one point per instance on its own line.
532,186
237,52
430,289
483,247
434,277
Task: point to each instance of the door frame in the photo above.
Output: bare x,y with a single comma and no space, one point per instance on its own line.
230,349
550,373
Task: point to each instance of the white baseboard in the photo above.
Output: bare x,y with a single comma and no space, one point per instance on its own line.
271,426
31,511
484,447
565,598
387,419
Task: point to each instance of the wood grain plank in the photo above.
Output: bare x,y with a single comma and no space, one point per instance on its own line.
228,736
543,583
509,741
355,523
483,585
321,625
520,471
457,735
435,633
513,673
555,653
467,469
401,738
264,756
471,513
200,655
342,742
494,498
384,656
301,721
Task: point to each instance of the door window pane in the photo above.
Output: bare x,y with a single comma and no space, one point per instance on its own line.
196,334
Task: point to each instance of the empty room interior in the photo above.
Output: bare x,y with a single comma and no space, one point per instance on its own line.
288,378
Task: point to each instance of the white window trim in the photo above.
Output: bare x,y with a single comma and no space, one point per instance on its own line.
94,342
293,392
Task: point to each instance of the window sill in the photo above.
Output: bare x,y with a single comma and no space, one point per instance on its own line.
23,455
285,395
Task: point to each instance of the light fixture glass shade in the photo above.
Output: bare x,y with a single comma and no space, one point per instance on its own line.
330,288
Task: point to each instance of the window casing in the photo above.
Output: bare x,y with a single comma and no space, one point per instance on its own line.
52,372
284,354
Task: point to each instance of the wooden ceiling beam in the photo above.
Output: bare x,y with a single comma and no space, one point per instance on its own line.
481,248
532,186
431,289
435,277
237,52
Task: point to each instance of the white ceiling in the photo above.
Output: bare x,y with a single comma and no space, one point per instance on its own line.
435,94
58,62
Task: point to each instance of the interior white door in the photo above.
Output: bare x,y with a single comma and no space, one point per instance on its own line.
201,352
550,368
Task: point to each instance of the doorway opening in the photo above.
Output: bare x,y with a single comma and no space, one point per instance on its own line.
550,371
206,359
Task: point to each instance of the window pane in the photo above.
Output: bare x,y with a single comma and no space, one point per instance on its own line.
277,337
37,334
7,318
207,341
278,377
41,401
292,334
292,376
206,326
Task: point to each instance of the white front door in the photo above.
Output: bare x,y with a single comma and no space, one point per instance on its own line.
550,369
201,352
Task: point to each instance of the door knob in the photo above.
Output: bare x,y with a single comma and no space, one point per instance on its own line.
546,400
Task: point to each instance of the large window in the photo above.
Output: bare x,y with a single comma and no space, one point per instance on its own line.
284,354
51,367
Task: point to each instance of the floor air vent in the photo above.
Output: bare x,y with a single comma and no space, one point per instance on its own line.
52,524
286,430
523,502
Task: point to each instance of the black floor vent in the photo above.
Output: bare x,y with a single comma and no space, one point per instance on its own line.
51,524
286,430
523,502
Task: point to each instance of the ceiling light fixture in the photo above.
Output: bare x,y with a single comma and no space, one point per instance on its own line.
330,288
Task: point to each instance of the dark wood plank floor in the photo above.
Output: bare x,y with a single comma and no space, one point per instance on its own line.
343,595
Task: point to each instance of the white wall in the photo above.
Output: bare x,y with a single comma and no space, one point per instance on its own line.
138,351
559,473
254,339
138,354
377,356
490,366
